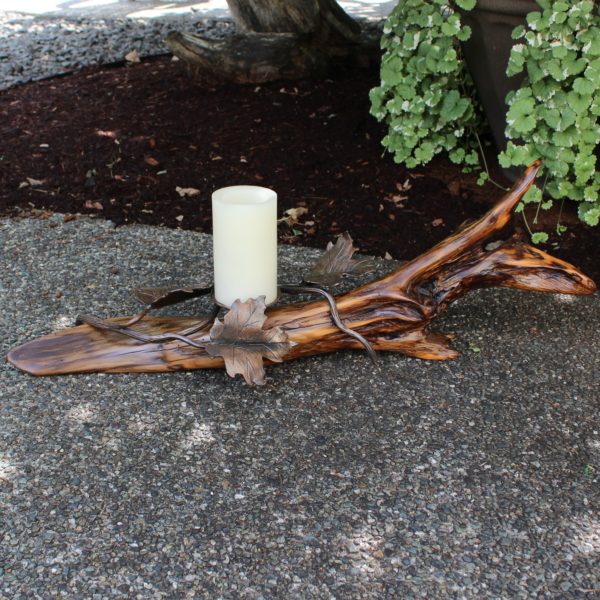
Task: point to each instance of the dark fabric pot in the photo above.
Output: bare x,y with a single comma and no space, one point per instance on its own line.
486,54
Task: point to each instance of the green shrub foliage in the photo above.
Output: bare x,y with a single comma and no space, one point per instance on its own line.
426,96
555,114
429,105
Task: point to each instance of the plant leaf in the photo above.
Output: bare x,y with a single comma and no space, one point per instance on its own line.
165,296
133,56
539,237
292,215
337,262
187,191
242,342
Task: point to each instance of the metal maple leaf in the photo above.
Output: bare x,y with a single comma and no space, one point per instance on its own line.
243,343
337,262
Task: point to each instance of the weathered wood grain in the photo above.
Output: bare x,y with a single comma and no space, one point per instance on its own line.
393,312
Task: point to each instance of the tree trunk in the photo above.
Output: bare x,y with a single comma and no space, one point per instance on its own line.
278,39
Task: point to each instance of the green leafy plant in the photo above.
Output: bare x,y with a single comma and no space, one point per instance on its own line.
428,102
426,96
555,113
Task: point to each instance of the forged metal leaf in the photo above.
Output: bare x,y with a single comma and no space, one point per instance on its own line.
337,262
164,296
242,342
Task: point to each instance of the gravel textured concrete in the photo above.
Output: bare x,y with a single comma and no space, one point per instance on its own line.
476,478
34,48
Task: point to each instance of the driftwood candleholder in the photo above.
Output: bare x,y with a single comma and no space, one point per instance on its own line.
392,313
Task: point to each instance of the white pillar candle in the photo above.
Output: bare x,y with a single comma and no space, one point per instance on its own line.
245,243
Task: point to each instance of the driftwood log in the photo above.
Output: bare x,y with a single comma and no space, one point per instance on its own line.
393,313
278,39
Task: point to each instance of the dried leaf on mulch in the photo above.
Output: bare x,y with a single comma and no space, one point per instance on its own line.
188,191
133,57
94,205
292,215
149,160
31,182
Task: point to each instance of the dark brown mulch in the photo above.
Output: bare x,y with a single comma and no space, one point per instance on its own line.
117,141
